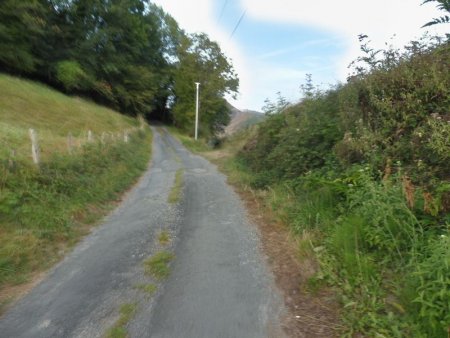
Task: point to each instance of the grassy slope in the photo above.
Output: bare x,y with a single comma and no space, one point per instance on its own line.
44,211
26,104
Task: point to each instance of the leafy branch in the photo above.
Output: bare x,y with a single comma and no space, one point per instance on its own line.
443,5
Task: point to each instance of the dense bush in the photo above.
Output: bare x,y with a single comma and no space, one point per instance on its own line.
403,105
72,76
397,111
364,167
298,140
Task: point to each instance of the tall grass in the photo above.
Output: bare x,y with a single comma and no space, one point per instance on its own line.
363,169
390,272
43,210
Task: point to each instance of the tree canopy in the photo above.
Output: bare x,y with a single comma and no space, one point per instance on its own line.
201,60
128,54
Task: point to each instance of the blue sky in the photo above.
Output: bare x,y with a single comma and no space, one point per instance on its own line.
279,42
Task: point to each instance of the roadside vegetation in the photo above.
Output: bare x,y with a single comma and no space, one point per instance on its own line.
189,142
360,174
45,209
26,104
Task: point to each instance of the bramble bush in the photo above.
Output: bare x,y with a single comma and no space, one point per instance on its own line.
364,168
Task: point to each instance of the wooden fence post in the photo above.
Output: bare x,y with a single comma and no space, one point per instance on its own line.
125,136
141,122
103,138
34,146
70,143
90,137
12,158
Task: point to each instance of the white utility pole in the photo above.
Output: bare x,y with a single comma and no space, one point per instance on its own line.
196,111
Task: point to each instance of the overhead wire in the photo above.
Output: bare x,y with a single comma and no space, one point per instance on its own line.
225,3
238,23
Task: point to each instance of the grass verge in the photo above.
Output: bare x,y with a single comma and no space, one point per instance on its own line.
196,146
46,210
127,312
359,239
158,265
175,192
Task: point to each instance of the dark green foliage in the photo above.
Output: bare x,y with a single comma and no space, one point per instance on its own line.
72,76
365,168
299,139
443,5
201,60
403,106
22,23
394,112
128,54
109,50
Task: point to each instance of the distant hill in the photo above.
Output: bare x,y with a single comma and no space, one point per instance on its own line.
241,119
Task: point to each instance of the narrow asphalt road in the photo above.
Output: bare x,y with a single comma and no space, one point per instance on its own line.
219,285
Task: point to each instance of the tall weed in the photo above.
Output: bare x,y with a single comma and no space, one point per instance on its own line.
429,279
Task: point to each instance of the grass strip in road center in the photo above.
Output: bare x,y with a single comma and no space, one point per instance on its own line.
149,289
127,312
175,192
158,265
164,237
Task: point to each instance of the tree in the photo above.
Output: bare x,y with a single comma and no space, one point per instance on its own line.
201,60
443,5
21,25
277,107
128,54
308,89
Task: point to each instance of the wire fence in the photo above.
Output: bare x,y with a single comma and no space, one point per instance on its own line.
72,144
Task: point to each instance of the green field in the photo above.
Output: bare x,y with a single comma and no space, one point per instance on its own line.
25,104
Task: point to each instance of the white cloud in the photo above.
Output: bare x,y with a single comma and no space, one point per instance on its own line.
380,20
262,76
296,48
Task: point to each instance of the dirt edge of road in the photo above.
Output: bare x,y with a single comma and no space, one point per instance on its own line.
309,314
